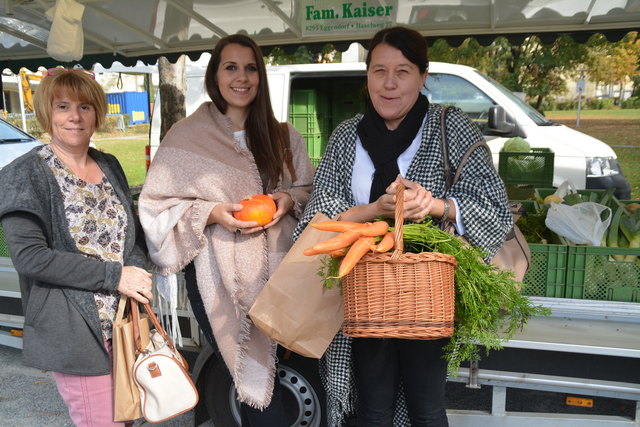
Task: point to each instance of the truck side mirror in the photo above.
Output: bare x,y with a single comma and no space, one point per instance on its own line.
502,124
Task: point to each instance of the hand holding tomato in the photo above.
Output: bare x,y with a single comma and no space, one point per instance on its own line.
222,214
284,203
259,208
249,215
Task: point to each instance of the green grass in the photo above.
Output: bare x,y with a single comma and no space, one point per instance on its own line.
619,129
130,154
593,114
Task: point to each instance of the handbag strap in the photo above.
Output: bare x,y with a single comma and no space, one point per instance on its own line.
121,306
135,314
449,178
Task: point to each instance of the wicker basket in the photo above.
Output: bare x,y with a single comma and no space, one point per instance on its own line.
396,295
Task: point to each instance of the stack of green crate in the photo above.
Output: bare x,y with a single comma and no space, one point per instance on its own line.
347,100
604,272
309,115
573,271
547,272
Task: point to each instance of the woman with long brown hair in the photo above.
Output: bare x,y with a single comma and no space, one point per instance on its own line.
228,149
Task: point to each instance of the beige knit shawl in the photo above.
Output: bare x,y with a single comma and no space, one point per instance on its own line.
197,166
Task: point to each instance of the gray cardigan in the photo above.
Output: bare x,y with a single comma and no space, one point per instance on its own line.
61,328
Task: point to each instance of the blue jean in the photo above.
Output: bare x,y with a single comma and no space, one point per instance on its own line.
274,414
380,365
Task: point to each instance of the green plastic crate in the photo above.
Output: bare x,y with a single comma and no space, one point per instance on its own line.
345,109
308,112
616,202
316,144
521,192
307,123
307,101
594,274
529,206
347,100
530,168
596,195
547,272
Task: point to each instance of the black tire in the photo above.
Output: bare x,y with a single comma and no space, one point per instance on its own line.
219,395
302,393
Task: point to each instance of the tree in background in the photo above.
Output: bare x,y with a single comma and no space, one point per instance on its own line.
532,67
542,68
172,87
303,55
612,63
172,77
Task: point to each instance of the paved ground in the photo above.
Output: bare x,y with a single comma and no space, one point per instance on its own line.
28,397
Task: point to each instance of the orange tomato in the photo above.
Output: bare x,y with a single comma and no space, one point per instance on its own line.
259,208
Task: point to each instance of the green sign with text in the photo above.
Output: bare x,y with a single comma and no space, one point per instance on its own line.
326,16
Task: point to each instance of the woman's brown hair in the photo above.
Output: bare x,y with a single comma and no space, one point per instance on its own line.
269,144
77,84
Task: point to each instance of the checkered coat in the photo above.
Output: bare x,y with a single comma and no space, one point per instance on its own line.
481,198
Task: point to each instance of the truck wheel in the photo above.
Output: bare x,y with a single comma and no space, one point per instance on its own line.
302,395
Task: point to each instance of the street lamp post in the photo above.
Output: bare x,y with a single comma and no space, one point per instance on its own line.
580,86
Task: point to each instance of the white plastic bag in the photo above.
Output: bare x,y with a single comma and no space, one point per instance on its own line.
565,188
581,223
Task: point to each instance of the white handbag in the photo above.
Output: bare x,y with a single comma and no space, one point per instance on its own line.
161,374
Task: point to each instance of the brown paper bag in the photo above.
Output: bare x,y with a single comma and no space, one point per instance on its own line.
294,309
126,395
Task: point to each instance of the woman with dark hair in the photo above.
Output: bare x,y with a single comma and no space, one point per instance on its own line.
227,150
76,243
398,141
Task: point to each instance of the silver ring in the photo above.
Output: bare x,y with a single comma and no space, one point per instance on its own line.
237,231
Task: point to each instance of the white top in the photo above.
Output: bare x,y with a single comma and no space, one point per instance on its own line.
363,171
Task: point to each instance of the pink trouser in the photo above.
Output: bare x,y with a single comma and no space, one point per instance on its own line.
89,398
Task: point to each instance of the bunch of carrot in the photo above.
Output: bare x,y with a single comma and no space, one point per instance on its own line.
354,241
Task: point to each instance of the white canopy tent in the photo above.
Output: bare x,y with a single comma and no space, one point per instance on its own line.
131,30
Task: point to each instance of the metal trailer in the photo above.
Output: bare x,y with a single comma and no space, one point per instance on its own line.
11,318
604,330
607,332
576,334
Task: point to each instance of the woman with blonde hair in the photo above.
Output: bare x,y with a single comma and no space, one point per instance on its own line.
76,243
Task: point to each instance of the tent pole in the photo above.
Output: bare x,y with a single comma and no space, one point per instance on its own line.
20,94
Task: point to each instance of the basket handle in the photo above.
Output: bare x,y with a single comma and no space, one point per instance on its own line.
399,221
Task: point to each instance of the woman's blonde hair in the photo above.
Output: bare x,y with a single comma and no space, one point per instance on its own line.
78,85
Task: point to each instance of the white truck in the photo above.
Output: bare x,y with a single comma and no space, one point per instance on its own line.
315,98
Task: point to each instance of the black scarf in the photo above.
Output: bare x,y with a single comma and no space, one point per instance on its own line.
384,145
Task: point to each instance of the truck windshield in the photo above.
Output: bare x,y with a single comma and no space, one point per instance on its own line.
533,114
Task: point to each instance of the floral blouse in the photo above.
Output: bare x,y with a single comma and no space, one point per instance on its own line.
98,224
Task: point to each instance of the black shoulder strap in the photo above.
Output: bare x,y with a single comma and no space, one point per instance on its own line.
449,178
445,149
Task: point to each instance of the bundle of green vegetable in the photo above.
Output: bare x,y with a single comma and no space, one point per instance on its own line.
624,232
489,306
